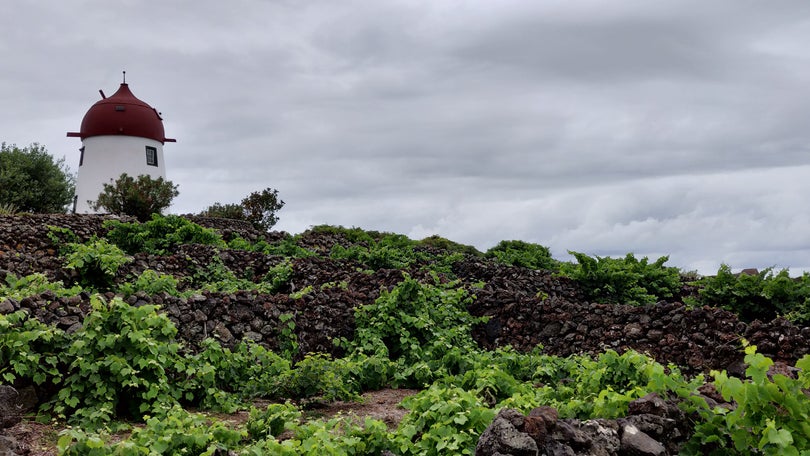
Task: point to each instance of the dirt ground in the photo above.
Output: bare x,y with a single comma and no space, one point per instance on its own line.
35,439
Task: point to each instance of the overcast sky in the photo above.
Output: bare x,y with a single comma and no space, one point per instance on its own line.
676,128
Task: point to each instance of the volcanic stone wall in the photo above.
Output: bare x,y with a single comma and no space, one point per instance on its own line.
525,307
528,307
24,244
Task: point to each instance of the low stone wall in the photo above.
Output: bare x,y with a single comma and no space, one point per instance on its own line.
525,307
24,244
653,427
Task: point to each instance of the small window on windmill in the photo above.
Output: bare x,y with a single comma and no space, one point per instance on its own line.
151,156
119,107
81,157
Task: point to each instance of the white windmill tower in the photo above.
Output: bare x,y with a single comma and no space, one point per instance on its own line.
120,134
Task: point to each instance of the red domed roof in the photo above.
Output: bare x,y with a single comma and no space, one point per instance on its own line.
122,114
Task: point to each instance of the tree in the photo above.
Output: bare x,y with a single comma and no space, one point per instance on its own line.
32,181
139,197
258,208
261,208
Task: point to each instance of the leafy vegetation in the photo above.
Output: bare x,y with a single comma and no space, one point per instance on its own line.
624,280
523,254
770,413
96,263
160,235
375,250
286,247
258,208
29,350
442,420
228,211
150,282
174,432
126,365
139,197
415,325
123,363
439,242
34,284
763,296
223,378
8,208
31,180
375,257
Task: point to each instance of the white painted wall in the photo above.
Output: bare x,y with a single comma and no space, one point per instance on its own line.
106,158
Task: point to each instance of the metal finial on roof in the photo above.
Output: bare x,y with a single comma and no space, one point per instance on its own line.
125,77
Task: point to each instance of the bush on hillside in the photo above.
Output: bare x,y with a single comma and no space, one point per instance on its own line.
258,208
624,280
139,197
762,296
523,254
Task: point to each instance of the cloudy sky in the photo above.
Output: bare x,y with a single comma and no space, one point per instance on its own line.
676,128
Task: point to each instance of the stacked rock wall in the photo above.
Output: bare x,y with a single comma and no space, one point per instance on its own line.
653,427
525,307
24,244
528,307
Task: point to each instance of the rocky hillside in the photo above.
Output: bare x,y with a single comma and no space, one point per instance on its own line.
526,307
299,295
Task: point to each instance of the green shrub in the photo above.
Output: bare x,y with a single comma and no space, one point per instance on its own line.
760,296
278,277
8,208
769,416
414,325
61,238
439,242
29,350
175,432
123,363
33,285
523,254
318,376
577,386
96,263
139,197
354,235
378,251
151,282
288,340
442,421
222,378
375,250
31,180
338,436
258,208
286,247
624,281
272,421
227,211
215,276
160,235
367,373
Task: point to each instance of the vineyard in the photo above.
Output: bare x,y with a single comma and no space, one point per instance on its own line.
127,338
